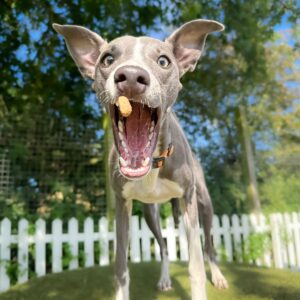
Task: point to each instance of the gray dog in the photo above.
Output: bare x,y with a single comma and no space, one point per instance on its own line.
151,160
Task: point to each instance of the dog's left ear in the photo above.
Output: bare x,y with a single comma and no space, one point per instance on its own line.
188,42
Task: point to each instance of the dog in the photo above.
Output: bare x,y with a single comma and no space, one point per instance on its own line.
151,160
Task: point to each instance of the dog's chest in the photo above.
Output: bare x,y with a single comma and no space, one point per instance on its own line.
152,189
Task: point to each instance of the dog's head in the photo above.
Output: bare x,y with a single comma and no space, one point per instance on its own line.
145,70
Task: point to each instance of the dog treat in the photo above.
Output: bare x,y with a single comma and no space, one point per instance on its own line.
124,106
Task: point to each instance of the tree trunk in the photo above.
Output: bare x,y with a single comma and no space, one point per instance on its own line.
110,196
248,161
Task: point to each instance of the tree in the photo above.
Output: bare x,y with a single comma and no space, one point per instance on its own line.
279,111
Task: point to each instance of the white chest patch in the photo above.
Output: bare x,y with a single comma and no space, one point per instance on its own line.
152,189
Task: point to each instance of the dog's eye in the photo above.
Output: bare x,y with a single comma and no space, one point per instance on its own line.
163,61
107,60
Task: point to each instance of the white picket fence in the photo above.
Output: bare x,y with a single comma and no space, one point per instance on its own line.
230,236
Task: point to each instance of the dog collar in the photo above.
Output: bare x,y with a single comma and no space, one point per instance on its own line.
158,162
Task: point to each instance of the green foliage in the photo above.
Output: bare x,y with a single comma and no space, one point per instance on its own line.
255,247
222,252
137,208
67,256
12,269
166,210
281,192
225,187
31,229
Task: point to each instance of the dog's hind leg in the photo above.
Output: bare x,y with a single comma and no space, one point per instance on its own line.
151,213
218,280
205,210
196,263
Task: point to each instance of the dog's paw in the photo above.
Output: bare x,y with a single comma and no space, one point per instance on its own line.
219,281
164,284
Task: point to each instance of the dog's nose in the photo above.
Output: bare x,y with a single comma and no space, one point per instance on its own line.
131,80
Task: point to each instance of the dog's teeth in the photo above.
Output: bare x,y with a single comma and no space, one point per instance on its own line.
123,162
148,144
123,144
151,136
126,150
121,136
120,126
145,162
152,127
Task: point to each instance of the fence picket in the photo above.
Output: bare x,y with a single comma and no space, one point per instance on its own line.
217,232
290,245
237,239
135,251
296,234
265,229
89,242
40,248
245,231
5,230
57,246
23,251
170,235
73,243
146,241
283,235
104,242
227,237
276,241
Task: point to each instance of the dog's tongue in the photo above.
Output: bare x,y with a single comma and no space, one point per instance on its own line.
137,128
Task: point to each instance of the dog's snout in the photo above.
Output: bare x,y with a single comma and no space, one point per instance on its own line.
131,80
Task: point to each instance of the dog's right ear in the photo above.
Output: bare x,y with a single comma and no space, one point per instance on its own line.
84,46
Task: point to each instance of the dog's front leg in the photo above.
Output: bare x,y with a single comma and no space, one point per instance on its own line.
123,214
196,262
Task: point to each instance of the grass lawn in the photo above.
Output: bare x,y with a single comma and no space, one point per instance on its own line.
245,282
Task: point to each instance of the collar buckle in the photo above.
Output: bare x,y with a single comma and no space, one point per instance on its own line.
158,162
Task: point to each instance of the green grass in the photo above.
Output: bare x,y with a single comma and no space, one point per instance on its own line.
246,282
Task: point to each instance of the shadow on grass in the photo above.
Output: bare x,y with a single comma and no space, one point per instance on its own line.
181,291
265,283
91,283
144,279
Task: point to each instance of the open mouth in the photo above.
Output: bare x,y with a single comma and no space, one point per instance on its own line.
135,138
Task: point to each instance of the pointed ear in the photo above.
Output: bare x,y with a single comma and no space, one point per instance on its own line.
83,45
188,42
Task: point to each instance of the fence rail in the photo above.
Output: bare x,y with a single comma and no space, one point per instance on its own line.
272,241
